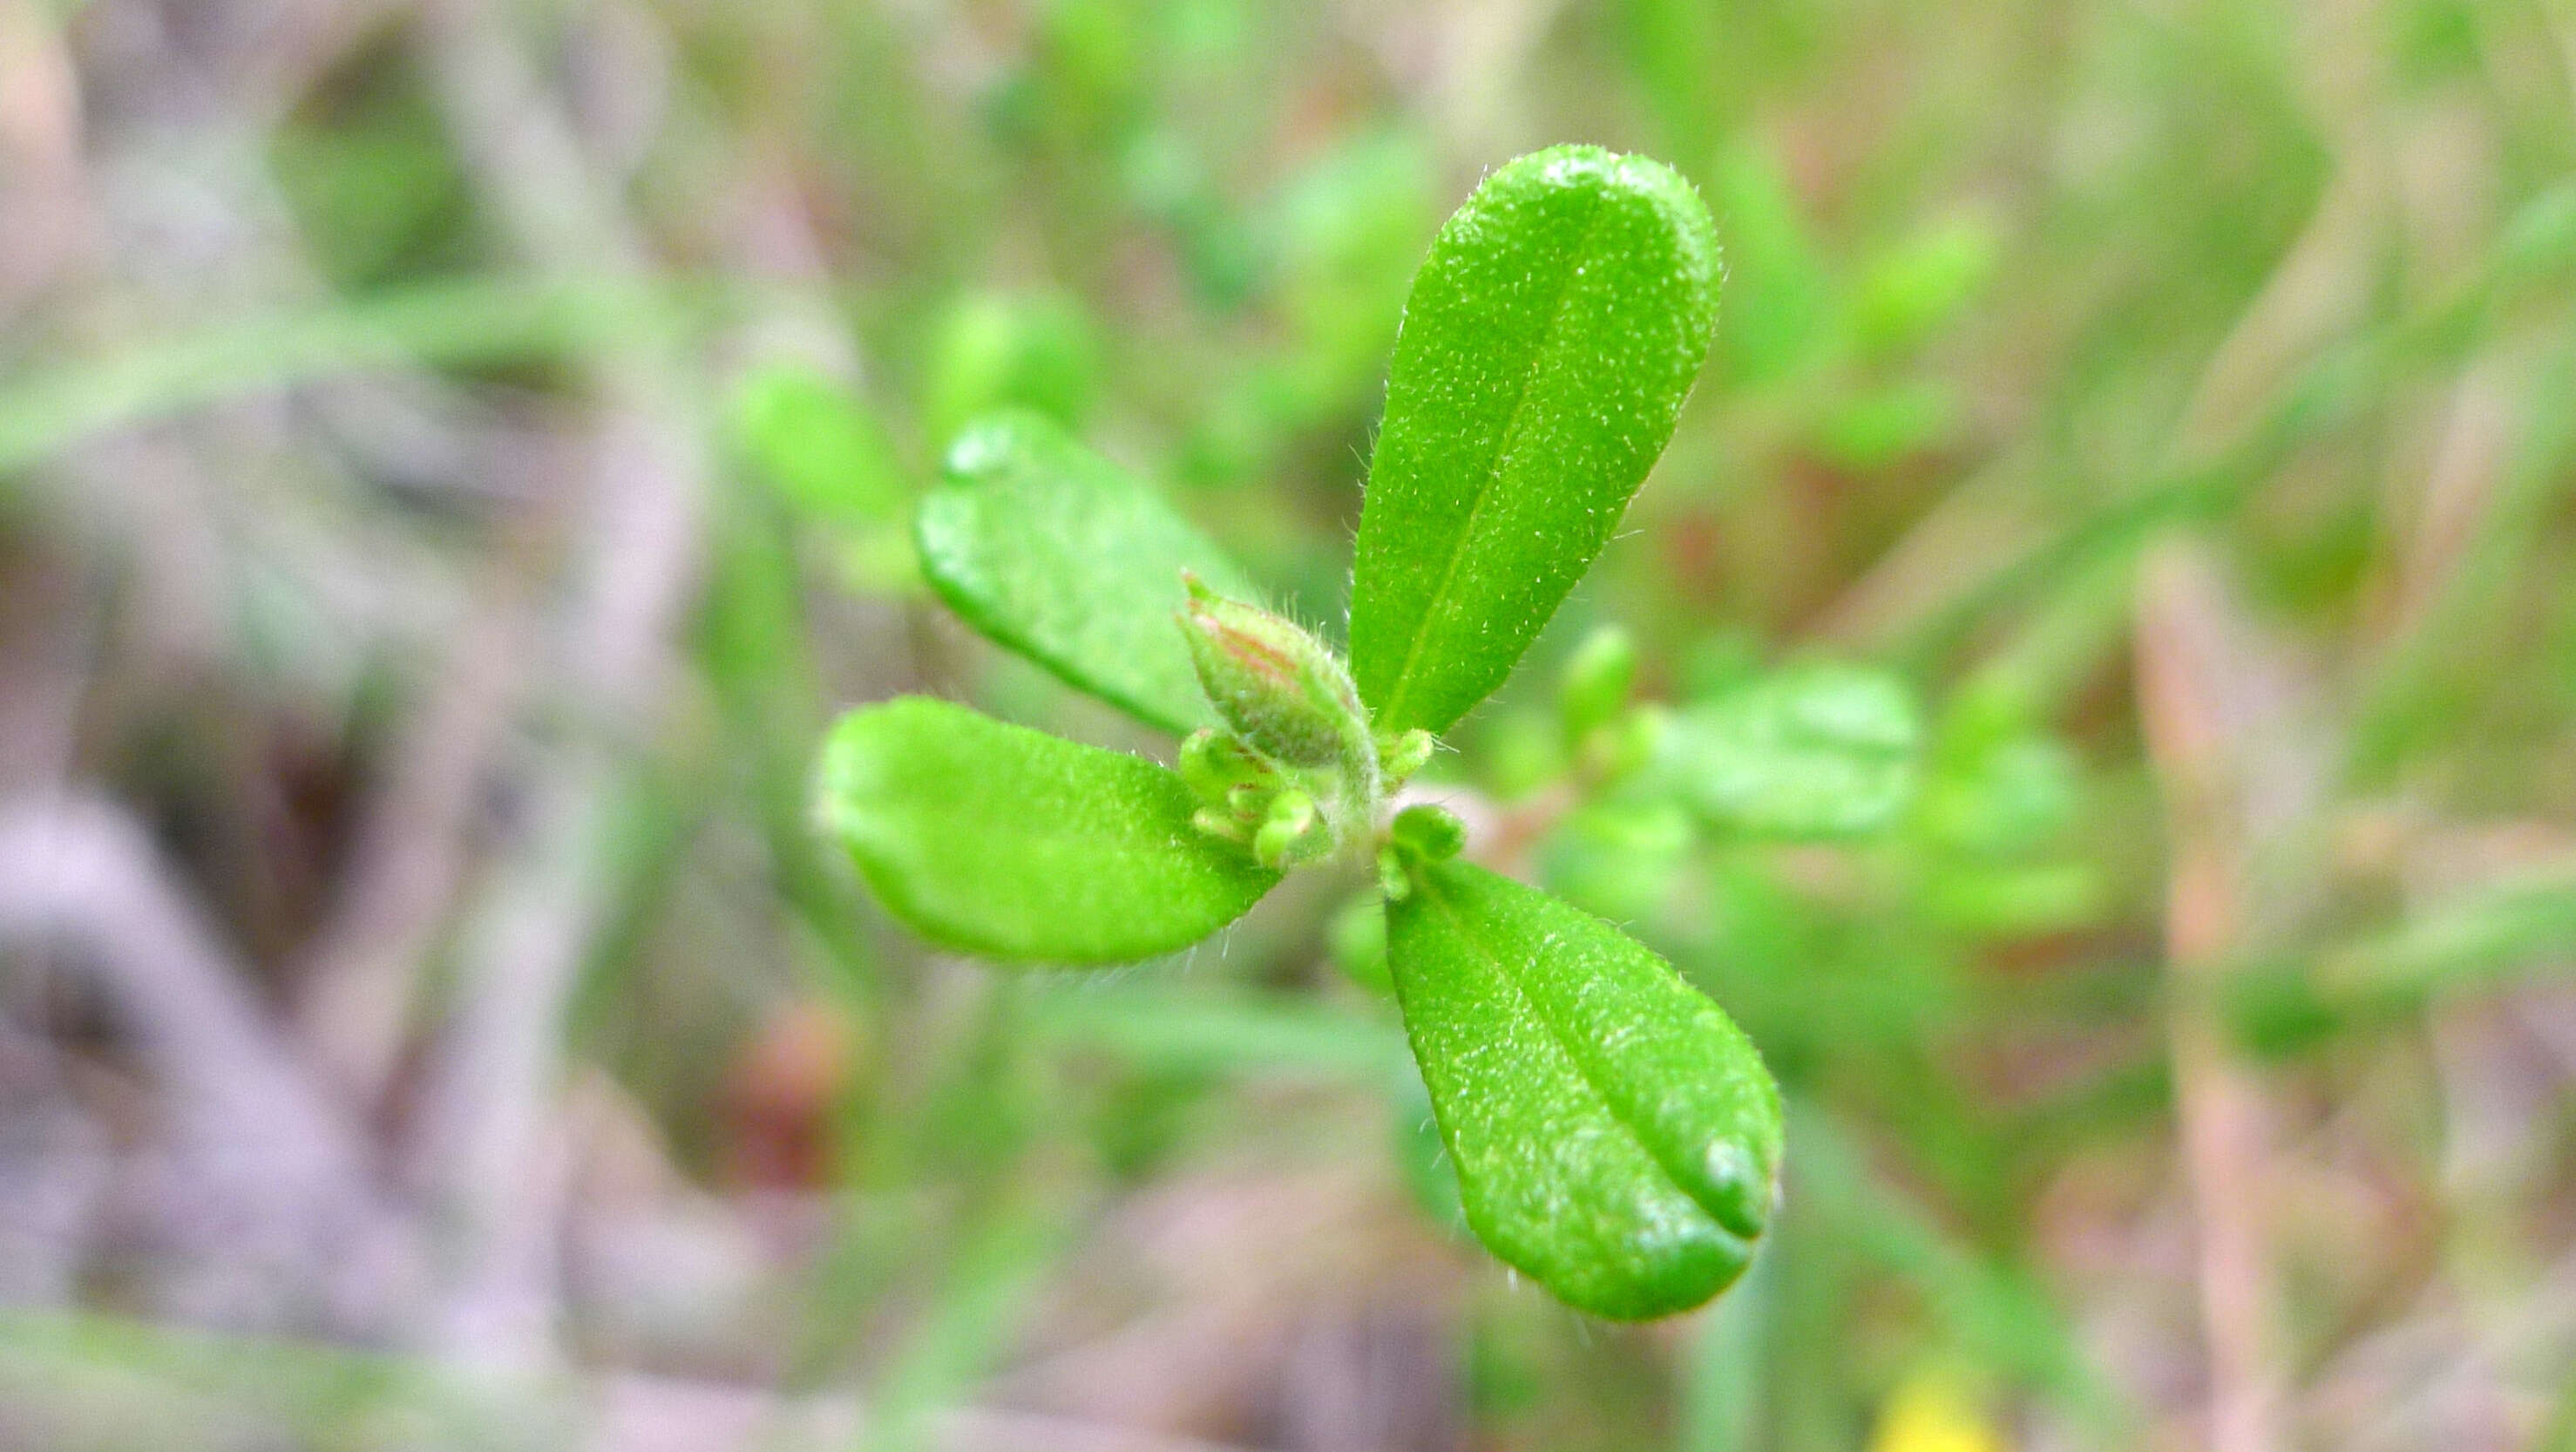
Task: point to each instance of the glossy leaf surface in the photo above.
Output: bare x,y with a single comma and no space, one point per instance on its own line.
1819,751
1616,1135
1055,552
994,839
1551,337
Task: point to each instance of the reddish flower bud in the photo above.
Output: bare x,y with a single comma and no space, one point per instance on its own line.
1277,688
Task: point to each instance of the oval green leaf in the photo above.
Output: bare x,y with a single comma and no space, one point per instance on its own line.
1812,752
1551,337
1616,1135
1053,551
1010,843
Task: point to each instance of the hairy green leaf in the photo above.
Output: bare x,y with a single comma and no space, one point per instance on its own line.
1419,1154
995,839
1551,336
1616,1134
1059,554
1812,752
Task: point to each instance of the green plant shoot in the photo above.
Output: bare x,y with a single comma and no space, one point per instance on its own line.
1614,1135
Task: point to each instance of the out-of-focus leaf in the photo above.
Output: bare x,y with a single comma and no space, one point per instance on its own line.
819,447
1779,296
1520,752
1596,682
2000,797
1724,1393
130,1383
1202,1032
2540,239
2013,899
1014,844
1351,230
1875,429
1995,1310
1618,858
2276,1009
1357,941
378,192
1055,552
1551,336
1915,287
983,1295
2558,1434
1817,751
1004,350
1995,794
1676,48
1616,1136
1343,237
1090,59
2490,937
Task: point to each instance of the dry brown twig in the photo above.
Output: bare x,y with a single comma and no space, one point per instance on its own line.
257,1141
409,858
2190,710
490,1142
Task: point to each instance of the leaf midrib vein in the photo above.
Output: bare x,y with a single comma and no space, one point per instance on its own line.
1565,1046
1404,677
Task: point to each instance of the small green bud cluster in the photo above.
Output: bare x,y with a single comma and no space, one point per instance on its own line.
1420,834
1605,736
1248,797
1294,772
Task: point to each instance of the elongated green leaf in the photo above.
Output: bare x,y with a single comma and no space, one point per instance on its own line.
1816,751
1616,1135
1055,552
1011,843
1550,339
